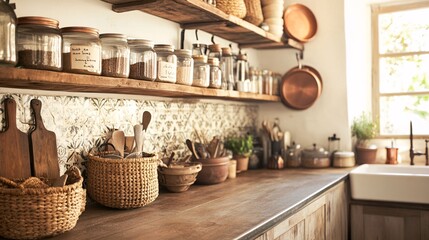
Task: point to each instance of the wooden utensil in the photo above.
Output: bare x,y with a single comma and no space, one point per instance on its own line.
146,119
43,146
192,149
61,181
118,141
14,147
138,138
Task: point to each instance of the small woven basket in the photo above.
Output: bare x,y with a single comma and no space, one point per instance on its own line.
28,211
123,183
254,12
233,7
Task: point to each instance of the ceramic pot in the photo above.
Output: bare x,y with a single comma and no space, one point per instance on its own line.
365,155
178,178
242,163
214,170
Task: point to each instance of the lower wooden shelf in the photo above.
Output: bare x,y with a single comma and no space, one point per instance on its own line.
60,81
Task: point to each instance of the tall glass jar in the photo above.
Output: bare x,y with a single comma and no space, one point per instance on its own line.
215,73
167,63
8,34
215,51
115,55
142,59
185,66
227,68
201,71
199,49
81,50
39,43
242,74
268,82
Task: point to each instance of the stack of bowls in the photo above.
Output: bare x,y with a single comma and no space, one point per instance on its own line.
273,15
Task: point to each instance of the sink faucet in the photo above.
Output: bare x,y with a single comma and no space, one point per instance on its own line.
417,153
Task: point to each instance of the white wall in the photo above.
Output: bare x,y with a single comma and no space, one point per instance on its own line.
326,53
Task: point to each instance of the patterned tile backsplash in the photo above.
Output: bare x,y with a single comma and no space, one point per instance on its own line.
81,123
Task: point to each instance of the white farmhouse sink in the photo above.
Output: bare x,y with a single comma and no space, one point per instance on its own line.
392,183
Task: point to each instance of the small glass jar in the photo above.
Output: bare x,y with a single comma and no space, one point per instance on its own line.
8,34
227,68
142,59
166,63
115,55
215,73
39,43
268,82
199,49
81,50
201,71
185,66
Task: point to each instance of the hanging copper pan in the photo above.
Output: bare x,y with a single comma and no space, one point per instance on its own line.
299,22
300,88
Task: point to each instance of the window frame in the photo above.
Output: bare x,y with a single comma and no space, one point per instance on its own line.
376,10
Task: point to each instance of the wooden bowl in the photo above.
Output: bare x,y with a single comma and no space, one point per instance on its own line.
178,178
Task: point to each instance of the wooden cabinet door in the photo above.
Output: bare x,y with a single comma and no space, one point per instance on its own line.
337,212
375,222
297,232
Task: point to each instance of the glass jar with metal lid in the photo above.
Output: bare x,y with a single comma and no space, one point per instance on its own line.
166,63
201,71
81,50
185,66
142,59
39,43
215,51
8,34
115,55
215,73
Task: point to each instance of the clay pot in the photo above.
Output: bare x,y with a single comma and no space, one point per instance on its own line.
214,170
242,163
178,178
366,155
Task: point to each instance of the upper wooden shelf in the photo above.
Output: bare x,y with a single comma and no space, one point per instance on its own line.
69,82
196,14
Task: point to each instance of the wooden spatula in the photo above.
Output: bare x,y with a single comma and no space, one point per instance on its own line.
43,146
14,147
118,141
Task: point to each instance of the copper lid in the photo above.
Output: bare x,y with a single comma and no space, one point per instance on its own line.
226,51
242,57
92,31
215,48
113,35
41,21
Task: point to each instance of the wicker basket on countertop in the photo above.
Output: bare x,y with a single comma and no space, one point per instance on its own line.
233,7
30,209
123,183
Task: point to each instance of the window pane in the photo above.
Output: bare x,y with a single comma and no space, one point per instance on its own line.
405,31
397,112
404,74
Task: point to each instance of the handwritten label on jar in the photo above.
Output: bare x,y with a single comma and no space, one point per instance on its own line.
85,57
166,71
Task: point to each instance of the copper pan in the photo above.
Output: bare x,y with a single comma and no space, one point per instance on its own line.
299,22
301,86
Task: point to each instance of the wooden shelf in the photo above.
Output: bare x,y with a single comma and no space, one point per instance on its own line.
196,14
69,82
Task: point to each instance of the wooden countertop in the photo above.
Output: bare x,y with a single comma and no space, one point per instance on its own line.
241,208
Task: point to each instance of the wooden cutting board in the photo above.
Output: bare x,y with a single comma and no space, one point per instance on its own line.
14,147
43,146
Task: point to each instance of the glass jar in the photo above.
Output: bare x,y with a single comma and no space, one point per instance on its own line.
268,82
201,71
166,63
260,82
8,34
81,50
199,49
215,73
215,51
142,59
39,43
115,55
227,69
242,74
185,66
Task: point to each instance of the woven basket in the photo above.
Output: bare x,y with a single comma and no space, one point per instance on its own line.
30,213
254,12
123,183
233,7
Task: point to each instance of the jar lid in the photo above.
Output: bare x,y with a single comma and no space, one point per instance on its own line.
315,152
242,57
164,47
113,35
42,21
344,154
226,51
200,58
199,45
143,42
213,61
183,52
215,48
92,31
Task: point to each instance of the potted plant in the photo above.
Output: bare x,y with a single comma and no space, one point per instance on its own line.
241,148
364,129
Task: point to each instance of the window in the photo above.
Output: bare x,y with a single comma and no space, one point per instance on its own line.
401,68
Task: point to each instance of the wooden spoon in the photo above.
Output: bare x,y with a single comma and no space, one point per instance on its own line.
192,149
118,141
138,137
146,119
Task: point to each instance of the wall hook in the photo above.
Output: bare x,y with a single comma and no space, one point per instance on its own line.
213,39
196,34
182,39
